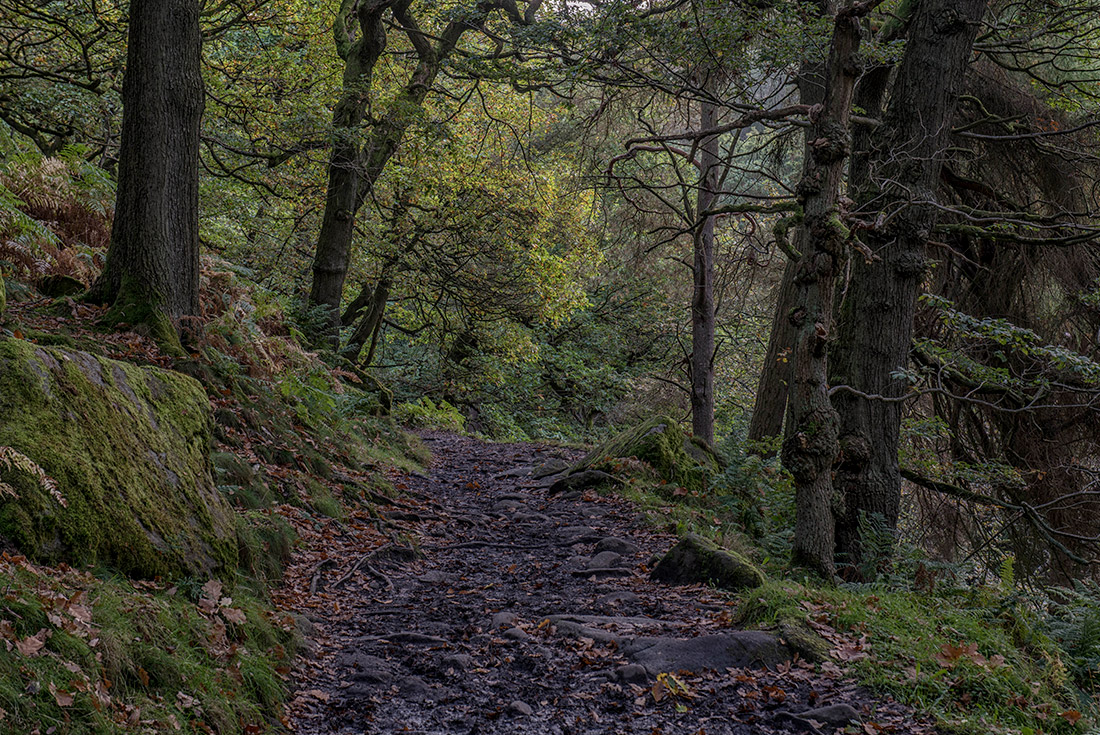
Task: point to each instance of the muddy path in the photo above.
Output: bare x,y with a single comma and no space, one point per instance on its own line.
532,612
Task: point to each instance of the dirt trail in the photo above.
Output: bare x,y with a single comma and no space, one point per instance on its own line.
532,613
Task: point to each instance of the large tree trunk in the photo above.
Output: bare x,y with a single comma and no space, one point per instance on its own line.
151,277
877,315
810,442
702,302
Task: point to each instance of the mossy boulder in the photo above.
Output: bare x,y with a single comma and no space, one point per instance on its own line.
128,448
659,442
58,286
696,560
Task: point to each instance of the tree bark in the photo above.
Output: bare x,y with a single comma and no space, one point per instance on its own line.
371,322
342,198
702,302
771,391
151,276
877,315
810,442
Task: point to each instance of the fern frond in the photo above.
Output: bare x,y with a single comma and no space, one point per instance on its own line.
12,459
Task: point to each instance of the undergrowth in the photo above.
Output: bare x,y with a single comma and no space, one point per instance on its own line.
981,657
97,653
299,438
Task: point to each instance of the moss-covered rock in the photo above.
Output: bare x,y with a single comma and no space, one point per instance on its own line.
696,559
129,450
662,444
58,286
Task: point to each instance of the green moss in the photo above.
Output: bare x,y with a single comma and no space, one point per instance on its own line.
662,444
3,299
905,634
149,646
321,500
136,307
128,448
265,542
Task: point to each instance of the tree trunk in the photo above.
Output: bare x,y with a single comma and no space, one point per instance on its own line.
151,277
810,443
702,302
771,391
342,200
775,375
877,315
355,165
371,323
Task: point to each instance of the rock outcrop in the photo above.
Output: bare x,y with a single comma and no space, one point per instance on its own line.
127,449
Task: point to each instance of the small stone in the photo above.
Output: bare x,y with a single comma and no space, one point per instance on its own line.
632,674
695,559
618,545
519,707
619,597
516,634
504,619
603,572
415,688
605,559
458,661
718,652
836,715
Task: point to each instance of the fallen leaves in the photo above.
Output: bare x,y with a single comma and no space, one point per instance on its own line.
950,655
31,646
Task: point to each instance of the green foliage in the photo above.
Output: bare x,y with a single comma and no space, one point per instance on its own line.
1072,618
427,414
54,214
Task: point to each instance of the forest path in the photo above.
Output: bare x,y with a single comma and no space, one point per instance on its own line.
528,612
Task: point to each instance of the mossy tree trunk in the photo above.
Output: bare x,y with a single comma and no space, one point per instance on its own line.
876,322
151,276
810,442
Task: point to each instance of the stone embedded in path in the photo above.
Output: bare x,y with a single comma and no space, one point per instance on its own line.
582,481
519,707
619,597
549,467
695,559
833,715
618,545
605,559
504,619
575,629
516,634
735,650
632,674
602,572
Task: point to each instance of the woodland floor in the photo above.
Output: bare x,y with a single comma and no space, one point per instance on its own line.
505,623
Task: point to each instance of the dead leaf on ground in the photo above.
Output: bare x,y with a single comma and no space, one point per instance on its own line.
31,645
